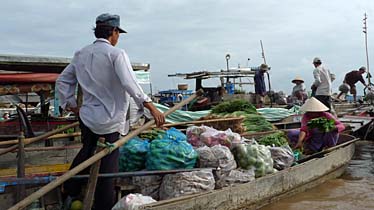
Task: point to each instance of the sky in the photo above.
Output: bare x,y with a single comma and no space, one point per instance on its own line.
190,35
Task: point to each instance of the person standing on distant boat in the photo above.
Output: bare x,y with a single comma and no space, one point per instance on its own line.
322,83
351,79
260,87
299,91
106,77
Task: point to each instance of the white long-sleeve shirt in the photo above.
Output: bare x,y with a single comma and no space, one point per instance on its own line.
322,80
300,87
107,80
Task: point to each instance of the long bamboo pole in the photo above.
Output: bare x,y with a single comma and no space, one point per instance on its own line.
56,136
38,138
199,122
42,191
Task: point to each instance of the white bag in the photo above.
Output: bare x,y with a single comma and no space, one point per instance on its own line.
186,183
132,202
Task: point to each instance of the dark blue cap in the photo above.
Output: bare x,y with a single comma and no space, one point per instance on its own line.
110,20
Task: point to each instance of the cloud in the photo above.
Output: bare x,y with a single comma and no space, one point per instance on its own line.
190,35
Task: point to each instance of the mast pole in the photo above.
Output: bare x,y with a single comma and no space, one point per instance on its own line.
366,47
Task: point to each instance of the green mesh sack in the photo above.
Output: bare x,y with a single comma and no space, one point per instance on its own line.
171,152
133,155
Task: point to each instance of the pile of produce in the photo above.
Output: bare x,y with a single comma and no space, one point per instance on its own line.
233,106
133,155
322,124
206,136
256,123
253,121
256,156
171,152
276,139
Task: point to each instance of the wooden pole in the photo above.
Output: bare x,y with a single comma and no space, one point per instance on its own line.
57,182
21,191
56,136
92,181
366,47
199,122
38,138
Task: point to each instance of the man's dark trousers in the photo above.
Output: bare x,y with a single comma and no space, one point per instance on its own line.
104,194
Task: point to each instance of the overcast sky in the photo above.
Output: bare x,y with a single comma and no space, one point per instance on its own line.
190,35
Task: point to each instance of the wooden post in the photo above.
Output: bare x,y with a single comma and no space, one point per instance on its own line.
21,193
92,181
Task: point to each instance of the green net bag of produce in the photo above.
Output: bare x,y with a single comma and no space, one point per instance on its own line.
254,155
171,152
133,155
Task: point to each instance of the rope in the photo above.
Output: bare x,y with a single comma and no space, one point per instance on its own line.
107,145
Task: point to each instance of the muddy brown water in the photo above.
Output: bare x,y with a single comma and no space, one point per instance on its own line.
354,190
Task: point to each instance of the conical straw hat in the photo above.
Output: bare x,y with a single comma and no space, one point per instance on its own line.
297,79
313,105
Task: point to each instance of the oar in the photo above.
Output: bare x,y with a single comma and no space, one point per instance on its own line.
319,154
57,182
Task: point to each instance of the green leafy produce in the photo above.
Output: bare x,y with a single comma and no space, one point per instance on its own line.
276,139
234,105
256,123
153,134
253,121
322,124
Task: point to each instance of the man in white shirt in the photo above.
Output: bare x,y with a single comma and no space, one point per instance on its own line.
107,80
322,83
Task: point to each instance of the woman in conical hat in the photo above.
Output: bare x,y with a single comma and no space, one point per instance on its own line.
312,139
299,91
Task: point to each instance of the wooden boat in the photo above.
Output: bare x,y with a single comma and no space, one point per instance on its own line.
25,75
250,195
270,188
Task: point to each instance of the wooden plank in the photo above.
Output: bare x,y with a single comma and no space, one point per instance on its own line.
36,170
92,181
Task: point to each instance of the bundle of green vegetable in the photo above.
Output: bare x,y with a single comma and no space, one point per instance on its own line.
234,105
276,139
322,124
256,123
253,121
153,134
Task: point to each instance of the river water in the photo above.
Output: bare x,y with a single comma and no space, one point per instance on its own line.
353,191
